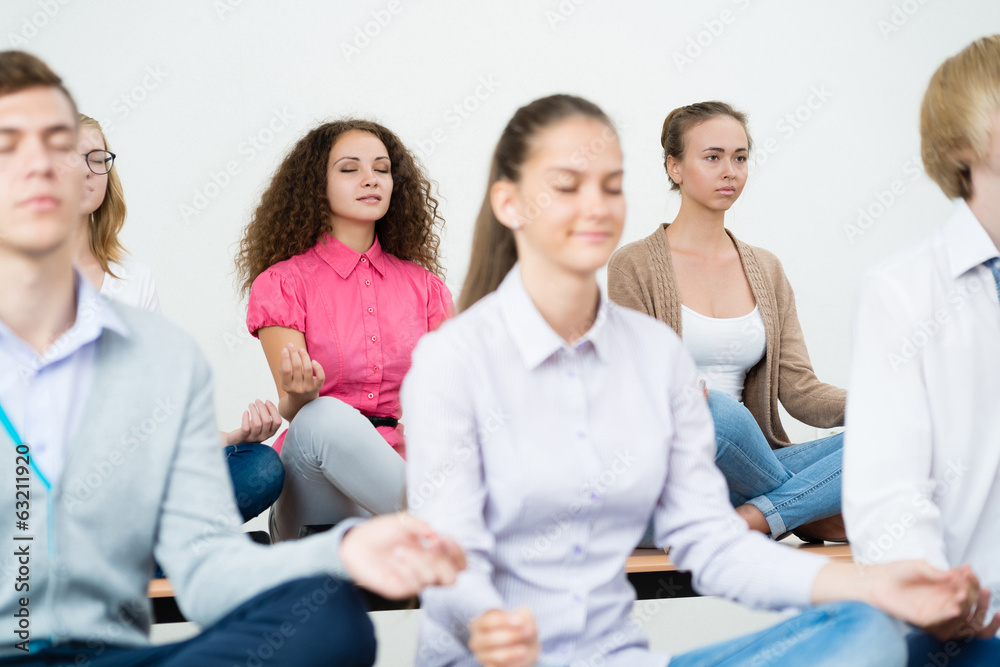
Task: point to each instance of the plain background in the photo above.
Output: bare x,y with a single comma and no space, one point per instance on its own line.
202,98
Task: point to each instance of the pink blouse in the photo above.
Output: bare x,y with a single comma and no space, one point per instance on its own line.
361,315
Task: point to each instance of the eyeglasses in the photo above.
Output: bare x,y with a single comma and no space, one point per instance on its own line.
100,162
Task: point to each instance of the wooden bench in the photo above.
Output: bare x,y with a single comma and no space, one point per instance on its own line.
651,572
655,560
654,576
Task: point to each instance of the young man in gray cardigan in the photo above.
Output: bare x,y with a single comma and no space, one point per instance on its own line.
109,458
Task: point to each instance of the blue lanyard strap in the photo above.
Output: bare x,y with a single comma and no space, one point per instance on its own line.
12,432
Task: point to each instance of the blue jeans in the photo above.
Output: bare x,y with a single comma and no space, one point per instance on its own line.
257,474
305,622
844,633
790,486
926,651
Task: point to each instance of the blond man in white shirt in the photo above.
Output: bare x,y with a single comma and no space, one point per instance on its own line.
922,451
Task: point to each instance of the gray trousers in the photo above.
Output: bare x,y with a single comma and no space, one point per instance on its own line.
336,466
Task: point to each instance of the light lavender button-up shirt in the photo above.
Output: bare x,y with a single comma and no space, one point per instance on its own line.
545,461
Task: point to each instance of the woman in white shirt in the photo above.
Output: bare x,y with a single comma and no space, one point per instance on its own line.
100,257
734,308
548,424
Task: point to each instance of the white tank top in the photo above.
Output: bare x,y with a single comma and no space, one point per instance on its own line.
724,348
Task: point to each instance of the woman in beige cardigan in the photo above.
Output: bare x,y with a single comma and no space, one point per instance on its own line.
734,308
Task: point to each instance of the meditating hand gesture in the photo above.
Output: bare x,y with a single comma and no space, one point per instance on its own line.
260,421
500,638
397,556
300,376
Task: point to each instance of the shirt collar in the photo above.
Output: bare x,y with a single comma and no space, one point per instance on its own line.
967,242
343,259
535,339
93,315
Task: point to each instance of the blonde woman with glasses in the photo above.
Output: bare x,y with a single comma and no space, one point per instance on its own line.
98,254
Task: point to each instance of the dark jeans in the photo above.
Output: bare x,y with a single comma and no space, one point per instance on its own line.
926,651
306,622
258,476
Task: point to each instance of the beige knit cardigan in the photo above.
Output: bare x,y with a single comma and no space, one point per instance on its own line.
641,276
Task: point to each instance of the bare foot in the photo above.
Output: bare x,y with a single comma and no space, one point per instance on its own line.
754,518
830,529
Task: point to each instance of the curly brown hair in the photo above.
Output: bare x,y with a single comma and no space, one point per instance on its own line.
294,211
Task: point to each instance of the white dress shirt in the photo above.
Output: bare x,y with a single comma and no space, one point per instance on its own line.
922,449
43,396
545,461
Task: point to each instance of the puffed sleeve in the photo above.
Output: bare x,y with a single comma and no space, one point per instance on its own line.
440,306
276,301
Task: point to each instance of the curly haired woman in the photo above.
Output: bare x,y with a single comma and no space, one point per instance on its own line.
341,263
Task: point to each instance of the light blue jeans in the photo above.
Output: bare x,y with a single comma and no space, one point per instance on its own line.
843,633
790,486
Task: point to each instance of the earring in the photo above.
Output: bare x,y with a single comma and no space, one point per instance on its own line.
515,223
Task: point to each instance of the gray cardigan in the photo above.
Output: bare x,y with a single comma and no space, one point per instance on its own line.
144,477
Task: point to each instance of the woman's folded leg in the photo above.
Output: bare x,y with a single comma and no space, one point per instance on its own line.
336,466
790,487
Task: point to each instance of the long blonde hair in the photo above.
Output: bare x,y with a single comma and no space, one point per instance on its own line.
106,222
493,250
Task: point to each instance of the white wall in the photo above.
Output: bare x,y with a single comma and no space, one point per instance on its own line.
183,87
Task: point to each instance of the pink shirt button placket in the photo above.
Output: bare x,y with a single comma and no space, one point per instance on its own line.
333,288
